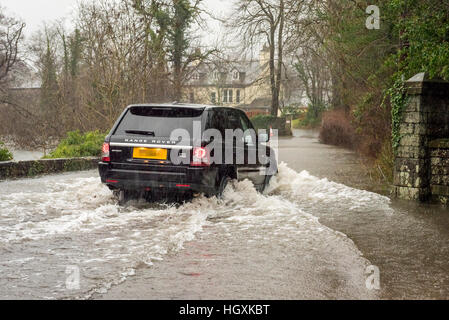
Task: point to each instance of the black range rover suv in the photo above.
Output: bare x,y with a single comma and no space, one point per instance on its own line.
169,149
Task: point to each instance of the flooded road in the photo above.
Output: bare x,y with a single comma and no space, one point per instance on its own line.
408,241
306,238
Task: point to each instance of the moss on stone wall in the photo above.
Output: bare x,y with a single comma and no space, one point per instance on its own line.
36,167
14,170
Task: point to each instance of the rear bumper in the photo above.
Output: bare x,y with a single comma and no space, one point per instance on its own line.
159,178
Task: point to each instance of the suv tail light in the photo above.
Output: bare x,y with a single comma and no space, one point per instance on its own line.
105,154
200,157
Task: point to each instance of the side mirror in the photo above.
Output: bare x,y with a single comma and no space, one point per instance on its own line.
263,137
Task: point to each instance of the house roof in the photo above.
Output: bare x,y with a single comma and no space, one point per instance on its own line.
249,72
258,103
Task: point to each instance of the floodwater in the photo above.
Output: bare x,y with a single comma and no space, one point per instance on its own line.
408,241
308,237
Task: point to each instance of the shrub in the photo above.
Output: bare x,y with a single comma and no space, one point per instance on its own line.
5,155
296,124
308,123
77,145
263,121
292,110
336,129
299,121
384,163
312,118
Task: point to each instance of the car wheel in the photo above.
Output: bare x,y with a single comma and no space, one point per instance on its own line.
265,184
122,196
267,180
224,181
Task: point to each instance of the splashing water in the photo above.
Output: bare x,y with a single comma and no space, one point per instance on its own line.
49,223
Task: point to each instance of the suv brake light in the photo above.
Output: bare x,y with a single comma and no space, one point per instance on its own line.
200,158
105,154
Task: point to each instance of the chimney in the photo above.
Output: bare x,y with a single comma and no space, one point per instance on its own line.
197,54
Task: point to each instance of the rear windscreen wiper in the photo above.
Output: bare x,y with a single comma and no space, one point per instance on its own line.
144,133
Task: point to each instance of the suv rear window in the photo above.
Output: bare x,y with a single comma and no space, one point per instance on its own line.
160,121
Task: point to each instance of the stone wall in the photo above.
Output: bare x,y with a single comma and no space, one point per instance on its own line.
425,120
283,128
439,175
21,169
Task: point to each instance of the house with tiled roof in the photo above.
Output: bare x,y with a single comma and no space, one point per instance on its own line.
238,84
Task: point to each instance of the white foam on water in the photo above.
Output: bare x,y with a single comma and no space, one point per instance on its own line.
109,243
305,188
245,206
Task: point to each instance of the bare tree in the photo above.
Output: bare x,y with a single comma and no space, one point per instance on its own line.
258,21
121,52
11,36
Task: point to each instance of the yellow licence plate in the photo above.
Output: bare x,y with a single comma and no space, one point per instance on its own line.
148,153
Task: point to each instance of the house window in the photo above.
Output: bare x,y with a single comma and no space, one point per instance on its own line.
237,96
216,75
213,97
196,76
236,75
228,96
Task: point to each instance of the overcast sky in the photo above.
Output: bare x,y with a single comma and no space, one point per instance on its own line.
36,12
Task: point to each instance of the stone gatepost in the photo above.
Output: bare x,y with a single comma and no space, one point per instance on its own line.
425,118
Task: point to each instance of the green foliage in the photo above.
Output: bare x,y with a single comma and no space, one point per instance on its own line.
35,169
369,66
398,101
296,124
313,116
174,20
182,17
76,165
423,27
77,145
5,155
72,53
263,121
294,110
49,77
49,91
75,52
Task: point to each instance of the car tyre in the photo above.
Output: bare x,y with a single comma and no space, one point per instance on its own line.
267,180
224,182
123,196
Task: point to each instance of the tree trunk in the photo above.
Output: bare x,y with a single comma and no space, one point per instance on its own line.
178,48
275,106
274,97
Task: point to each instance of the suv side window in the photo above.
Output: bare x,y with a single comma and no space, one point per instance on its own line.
240,121
248,129
246,124
217,119
234,120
